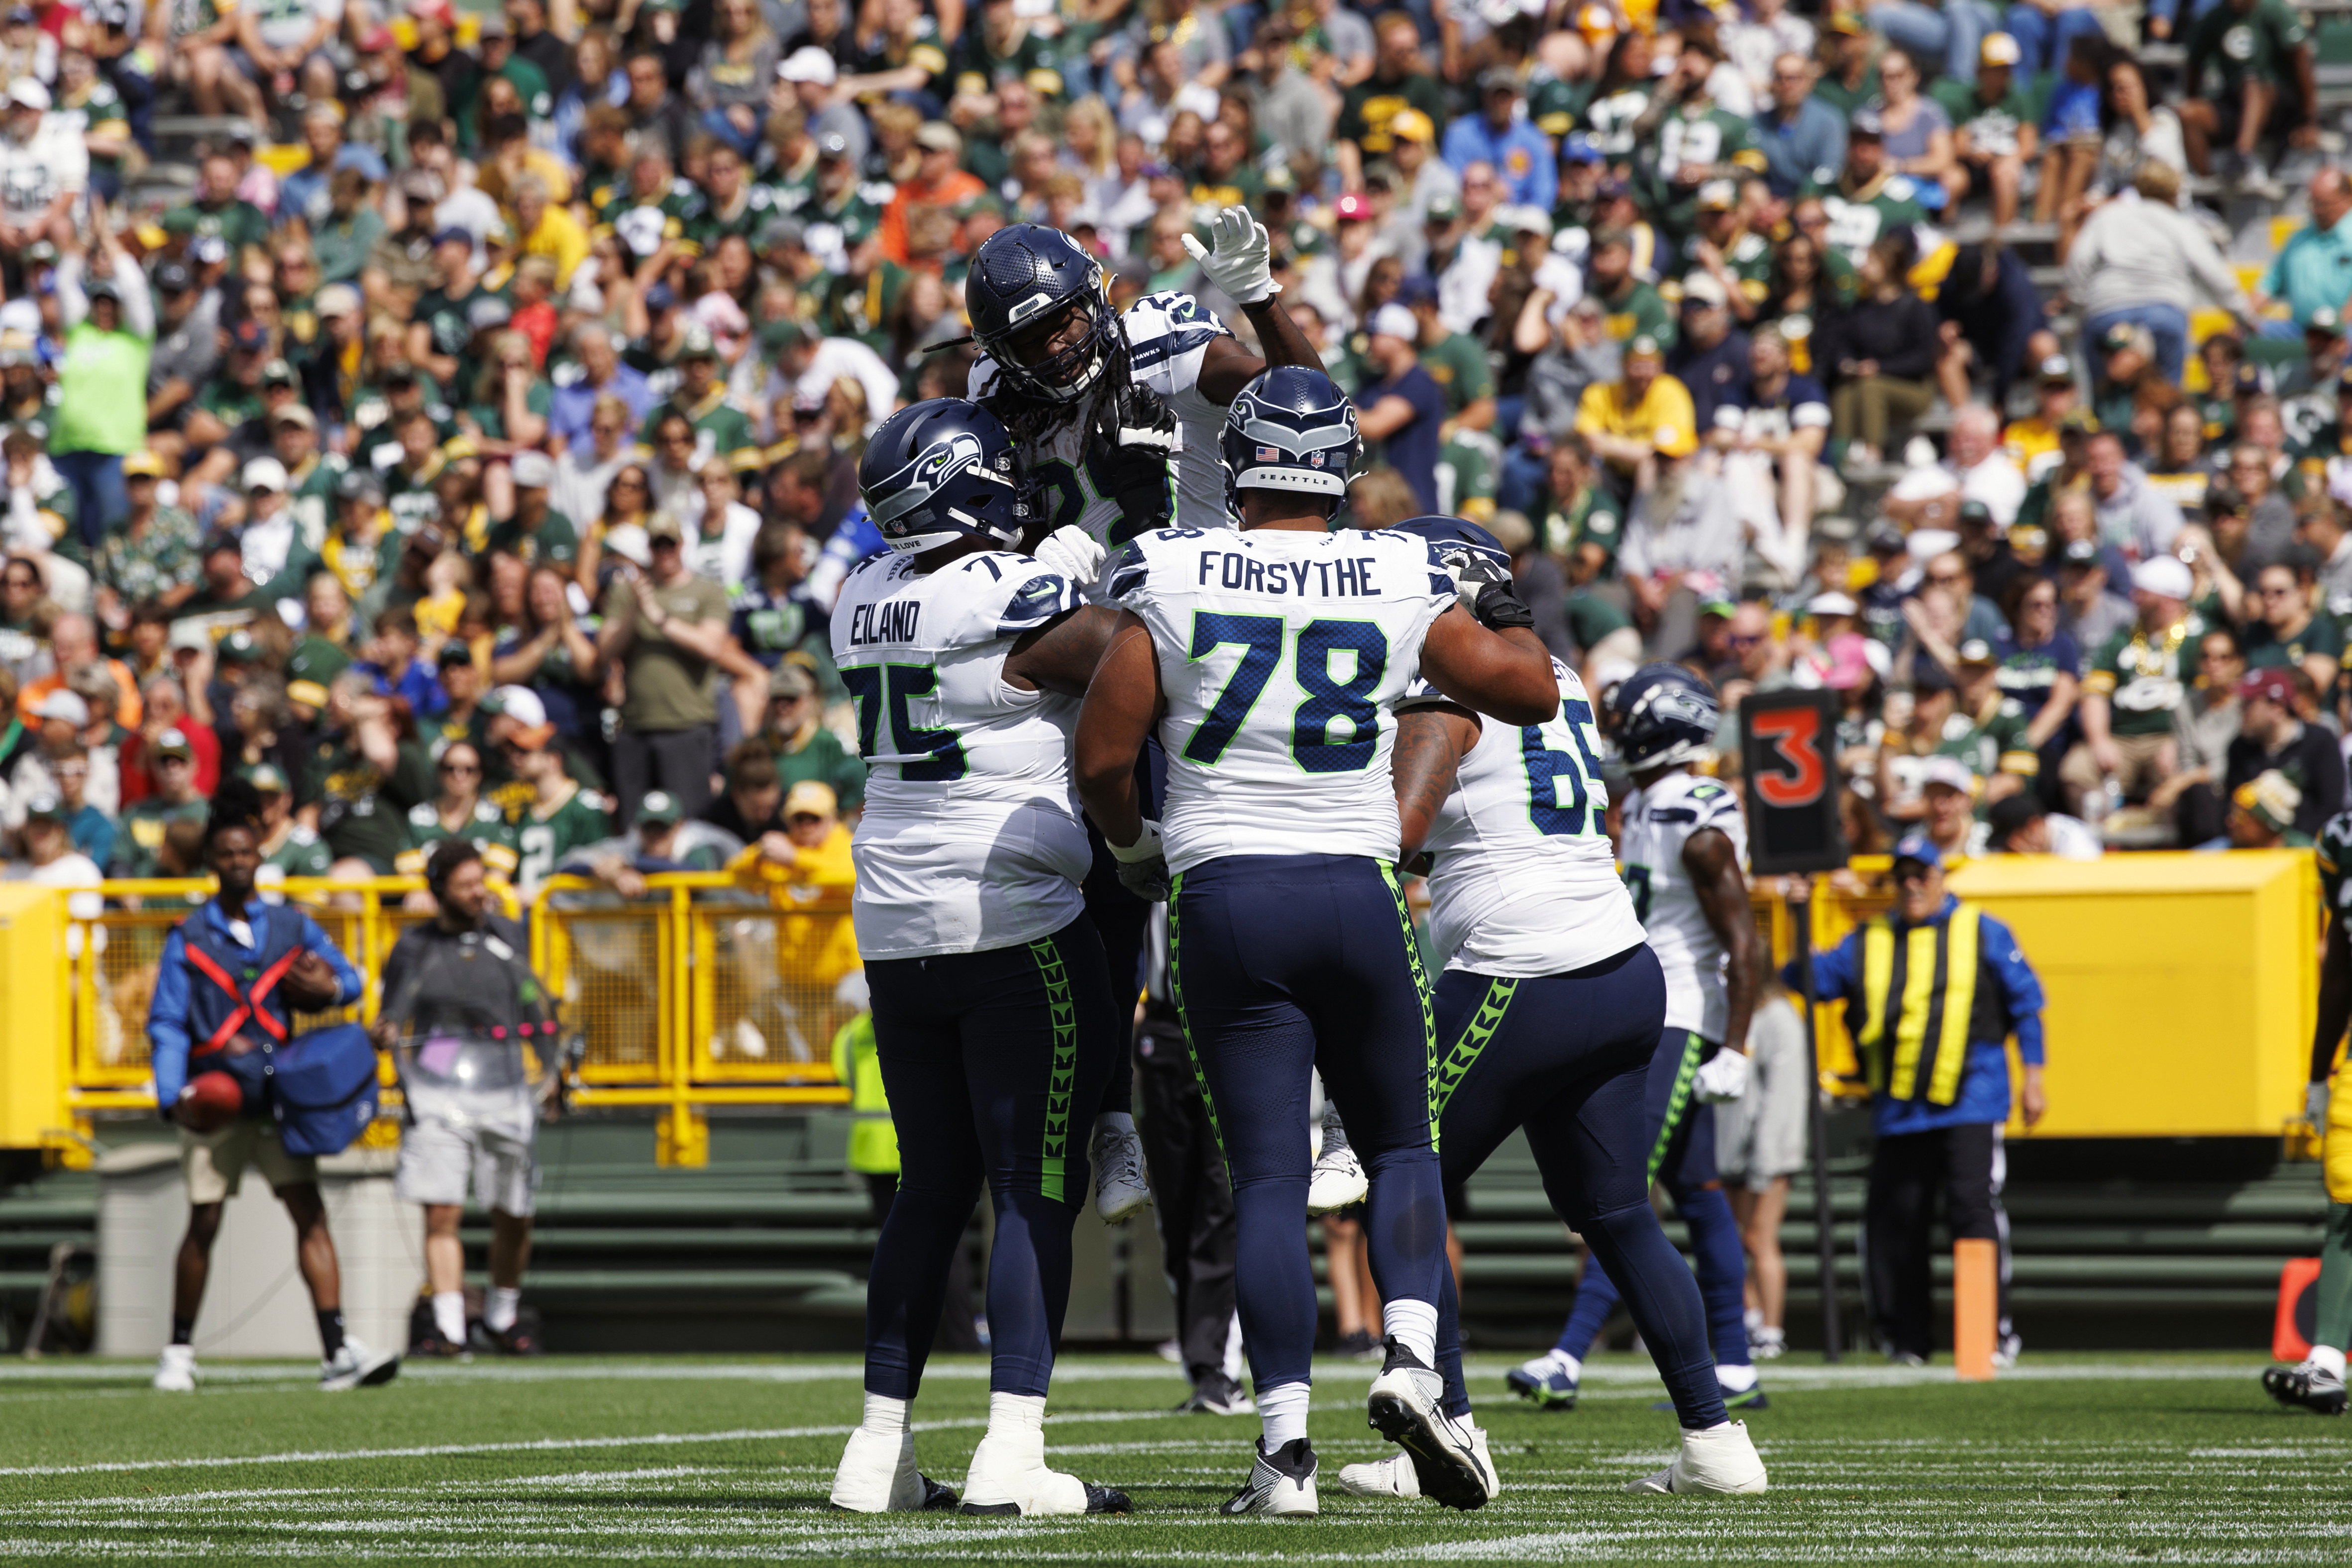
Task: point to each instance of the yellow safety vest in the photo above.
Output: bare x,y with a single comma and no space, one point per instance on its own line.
873,1139
1917,996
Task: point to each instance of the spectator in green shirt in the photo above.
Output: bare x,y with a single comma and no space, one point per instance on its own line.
109,333
2260,52
804,747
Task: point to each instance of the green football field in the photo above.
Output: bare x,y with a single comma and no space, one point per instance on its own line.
2067,1459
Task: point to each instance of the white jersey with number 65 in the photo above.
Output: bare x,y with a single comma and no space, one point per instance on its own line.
970,841
1282,655
1524,881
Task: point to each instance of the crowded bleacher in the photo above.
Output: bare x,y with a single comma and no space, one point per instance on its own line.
376,382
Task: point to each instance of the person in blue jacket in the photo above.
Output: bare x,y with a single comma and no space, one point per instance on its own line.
1932,990
222,995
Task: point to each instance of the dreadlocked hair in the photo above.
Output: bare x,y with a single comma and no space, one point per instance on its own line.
1029,420
235,804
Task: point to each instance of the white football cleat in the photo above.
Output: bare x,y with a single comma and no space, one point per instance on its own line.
1281,1483
1719,1460
1117,1155
175,1370
1406,1407
1338,1181
1398,1475
878,1476
1008,1477
357,1366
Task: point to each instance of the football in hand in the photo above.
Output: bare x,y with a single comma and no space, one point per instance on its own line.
209,1102
310,987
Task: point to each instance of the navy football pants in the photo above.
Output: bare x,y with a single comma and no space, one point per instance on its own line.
1567,1058
994,1063
1284,964
1681,1143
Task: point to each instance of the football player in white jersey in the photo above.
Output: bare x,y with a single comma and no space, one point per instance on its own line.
992,1010
1684,843
1268,661
1103,405
1548,1013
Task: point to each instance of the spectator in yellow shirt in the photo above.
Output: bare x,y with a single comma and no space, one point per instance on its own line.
2031,443
544,227
1622,419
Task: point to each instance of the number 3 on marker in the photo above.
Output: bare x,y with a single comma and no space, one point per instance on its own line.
1795,734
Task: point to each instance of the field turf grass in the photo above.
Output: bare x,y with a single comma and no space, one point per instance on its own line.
2067,1459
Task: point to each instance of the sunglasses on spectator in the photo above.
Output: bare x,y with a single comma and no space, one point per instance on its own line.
1911,871
459,767
628,481
1744,639
1945,578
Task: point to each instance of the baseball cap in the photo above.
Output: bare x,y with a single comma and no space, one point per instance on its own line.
358,485
28,92
2271,686
1950,772
1498,78
1701,288
2253,380
142,464
64,704
488,313
1352,208
173,278
809,64
1393,320
661,526
1717,196
519,704
453,234
2325,320
1444,208
1848,23
1975,512
266,778
533,470
2057,368
338,299
2166,575
279,373
1411,125
45,808
1978,654
265,474
295,413
659,809
628,542
1672,441
1999,49
2270,798
1581,147
2078,422
697,343
1927,544
1918,847
1643,347
172,743
1927,675
2081,552
453,652
240,648
938,136
811,797
209,250
1865,121
1831,604
250,337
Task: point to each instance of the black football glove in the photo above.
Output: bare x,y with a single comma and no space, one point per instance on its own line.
1133,453
1499,608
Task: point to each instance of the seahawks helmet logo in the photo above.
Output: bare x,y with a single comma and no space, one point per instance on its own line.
907,495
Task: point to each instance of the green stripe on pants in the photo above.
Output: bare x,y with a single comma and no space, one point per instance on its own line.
1421,990
1064,1012
1679,1102
1476,1033
1176,993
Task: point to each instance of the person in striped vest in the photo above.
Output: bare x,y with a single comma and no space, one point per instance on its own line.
1932,990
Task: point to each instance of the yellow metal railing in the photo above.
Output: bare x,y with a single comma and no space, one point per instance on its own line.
704,992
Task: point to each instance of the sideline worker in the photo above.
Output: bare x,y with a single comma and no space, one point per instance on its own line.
460,981
231,977
1932,989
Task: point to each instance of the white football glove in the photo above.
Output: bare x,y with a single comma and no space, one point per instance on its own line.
1144,864
2314,1105
1072,551
1242,264
1723,1076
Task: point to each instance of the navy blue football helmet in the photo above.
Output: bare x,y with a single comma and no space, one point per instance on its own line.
1664,715
939,472
1024,276
1474,557
1290,429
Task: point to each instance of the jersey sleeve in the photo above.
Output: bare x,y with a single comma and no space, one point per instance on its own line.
999,594
1168,335
1127,576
